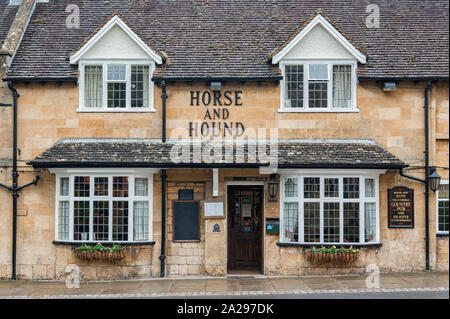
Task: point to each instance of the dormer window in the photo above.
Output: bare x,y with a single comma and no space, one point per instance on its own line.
116,66
318,86
319,69
116,86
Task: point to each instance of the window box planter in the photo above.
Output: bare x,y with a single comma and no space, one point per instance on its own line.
100,252
332,254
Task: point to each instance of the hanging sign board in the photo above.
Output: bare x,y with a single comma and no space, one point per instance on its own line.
401,207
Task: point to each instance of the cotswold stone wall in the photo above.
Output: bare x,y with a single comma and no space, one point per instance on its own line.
48,112
185,258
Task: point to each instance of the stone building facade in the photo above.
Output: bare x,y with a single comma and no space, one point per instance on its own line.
103,171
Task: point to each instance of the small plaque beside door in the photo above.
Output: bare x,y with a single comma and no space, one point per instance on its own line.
213,209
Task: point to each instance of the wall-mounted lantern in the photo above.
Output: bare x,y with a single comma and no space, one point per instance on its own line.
273,188
434,180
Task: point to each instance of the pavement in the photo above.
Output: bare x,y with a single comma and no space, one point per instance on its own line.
390,284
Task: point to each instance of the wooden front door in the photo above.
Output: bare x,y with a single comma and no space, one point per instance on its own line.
245,223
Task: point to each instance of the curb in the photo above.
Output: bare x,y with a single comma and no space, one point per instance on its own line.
232,293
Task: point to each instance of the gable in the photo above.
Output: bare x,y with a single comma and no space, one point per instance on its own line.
318,38
115,44
115,39
318,44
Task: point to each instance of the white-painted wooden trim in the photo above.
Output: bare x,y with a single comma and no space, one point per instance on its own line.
439,232
215,182
330,109
132,174
320,20
300,175
115,21
105,109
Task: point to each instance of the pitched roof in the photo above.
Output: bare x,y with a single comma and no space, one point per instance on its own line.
233,38
151,153
7,14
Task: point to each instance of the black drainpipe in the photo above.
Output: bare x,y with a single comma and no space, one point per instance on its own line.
15,177
427,175
427,97
162,257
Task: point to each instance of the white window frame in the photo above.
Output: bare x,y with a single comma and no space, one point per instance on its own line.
105,108
439,232
132,174
339,174
330,108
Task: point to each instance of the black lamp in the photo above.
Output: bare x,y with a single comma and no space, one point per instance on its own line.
273,188
434,180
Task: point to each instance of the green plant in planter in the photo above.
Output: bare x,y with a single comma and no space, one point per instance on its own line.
116,248
90,252
100,247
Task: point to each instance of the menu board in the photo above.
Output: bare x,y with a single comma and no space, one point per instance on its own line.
401,207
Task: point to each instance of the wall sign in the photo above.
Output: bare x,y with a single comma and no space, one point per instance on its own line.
401,207
213,209
217,110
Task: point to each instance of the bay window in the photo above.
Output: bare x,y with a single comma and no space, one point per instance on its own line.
318,87
116,87
322,209
103,207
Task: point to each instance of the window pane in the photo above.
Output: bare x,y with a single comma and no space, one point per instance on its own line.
81,220
101,220
117,72
117,95
63,219
290,222
331,187
120,186
370,188
312,222
318,94
64,186
101,186
140,219
318,72
351,187
311,187
443,191
93,86
370,219
139,86
294,86
291,187
141,187
342,86
351,222
120,221
443,215
331,222
81,186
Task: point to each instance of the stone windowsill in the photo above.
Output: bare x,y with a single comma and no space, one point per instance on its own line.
442,235
72,243
327,245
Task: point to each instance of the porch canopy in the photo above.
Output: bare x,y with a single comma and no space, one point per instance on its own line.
343,153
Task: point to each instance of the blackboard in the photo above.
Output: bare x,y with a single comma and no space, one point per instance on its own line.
186,224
